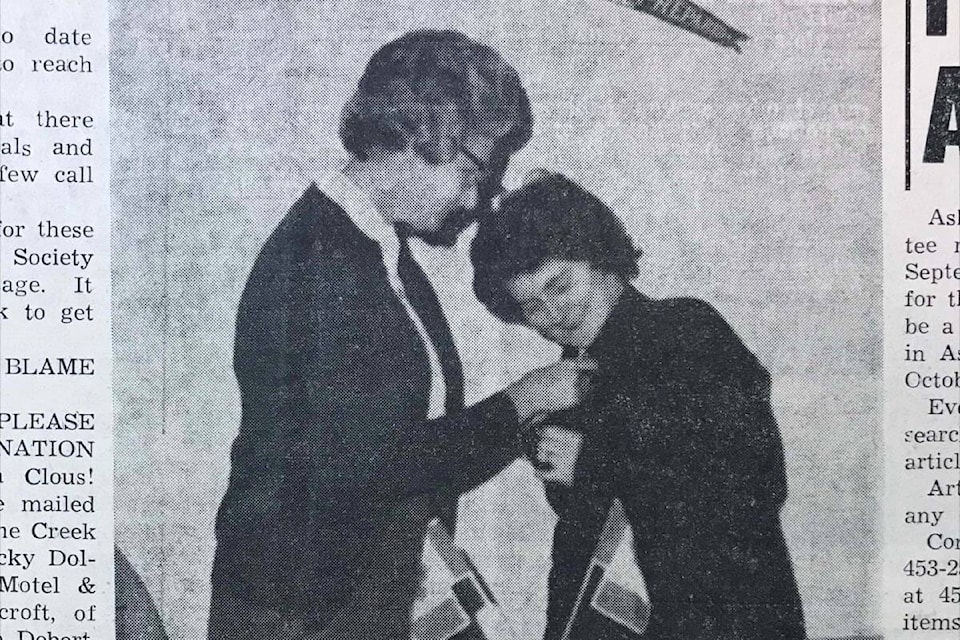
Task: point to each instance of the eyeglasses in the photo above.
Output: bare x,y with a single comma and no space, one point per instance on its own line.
490,185
472,157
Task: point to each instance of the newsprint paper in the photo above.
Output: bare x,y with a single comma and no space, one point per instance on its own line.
504,319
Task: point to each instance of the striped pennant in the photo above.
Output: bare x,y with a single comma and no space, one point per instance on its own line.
686,15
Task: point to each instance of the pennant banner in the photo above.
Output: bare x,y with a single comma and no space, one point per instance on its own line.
686,15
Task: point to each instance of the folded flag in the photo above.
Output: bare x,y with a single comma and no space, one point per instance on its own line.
469,612
688,16
607,605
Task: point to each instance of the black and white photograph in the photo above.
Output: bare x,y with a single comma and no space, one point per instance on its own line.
497,319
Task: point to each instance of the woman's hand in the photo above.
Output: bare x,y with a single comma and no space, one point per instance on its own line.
561,385
556,452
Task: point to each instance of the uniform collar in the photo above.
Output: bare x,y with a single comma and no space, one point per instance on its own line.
621,327
364,214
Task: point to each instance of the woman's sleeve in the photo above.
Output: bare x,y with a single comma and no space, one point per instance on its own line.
710,422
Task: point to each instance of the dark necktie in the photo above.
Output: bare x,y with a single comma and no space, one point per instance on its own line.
424,301
570,353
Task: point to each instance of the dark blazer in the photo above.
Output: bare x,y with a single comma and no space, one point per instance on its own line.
681,430
336,470
136,616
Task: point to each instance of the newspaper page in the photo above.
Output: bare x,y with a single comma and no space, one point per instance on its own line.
56,419
574,319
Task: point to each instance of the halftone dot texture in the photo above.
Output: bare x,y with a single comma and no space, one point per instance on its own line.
751,181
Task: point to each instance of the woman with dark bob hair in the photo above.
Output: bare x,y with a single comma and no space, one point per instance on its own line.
680,428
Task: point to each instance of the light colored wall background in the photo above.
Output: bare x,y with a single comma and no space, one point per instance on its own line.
751,181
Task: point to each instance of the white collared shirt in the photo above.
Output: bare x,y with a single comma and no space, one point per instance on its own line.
372,224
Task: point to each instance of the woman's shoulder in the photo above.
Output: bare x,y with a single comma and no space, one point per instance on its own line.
688,334
677,320
684,309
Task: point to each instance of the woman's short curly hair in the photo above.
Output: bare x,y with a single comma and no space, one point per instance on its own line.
430,89
550,218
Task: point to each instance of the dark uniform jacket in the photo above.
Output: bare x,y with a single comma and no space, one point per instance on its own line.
682,432
336,470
